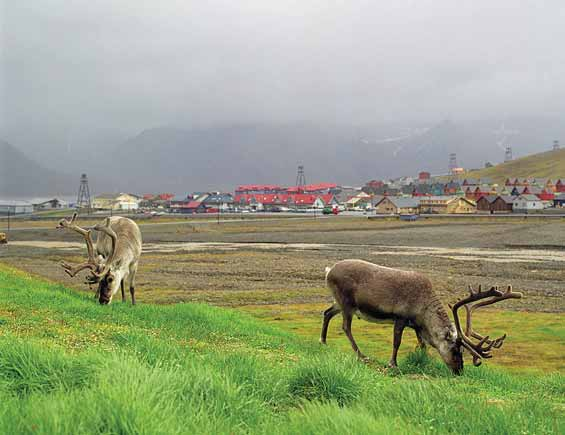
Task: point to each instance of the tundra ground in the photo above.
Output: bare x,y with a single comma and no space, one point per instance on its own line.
274,269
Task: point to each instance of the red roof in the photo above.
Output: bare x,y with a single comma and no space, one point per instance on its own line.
294,189
263,198
282,198
193,204
270,198
319,186
311,187
257,187
304,198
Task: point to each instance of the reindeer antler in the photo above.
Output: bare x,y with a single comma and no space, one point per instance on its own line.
92,263
483,347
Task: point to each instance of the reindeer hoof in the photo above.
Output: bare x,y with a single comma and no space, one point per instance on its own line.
362,358
392,365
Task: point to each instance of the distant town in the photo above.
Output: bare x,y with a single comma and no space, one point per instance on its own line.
404,196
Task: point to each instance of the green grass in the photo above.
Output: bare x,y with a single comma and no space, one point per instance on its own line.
529,333
68,365
550,164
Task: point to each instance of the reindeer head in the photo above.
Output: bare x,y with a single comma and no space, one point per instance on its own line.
449,348
456,340
105,272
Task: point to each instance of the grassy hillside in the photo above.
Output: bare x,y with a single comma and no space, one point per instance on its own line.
68,365
550,164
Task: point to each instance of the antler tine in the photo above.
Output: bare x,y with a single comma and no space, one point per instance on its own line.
508,294
65,223
496,343
73,270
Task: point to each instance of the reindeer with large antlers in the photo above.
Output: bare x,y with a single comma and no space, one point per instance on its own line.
381,293
113,261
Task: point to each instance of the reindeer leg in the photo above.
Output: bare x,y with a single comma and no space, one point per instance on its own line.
329,314
399,325
347,318
132,273
123,292
421,342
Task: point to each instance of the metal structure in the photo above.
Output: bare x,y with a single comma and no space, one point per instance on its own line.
555,145
300,177
452,162
503,135
508,154
83,198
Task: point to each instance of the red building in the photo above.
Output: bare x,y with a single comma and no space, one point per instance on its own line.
375,184
546,195
423,176
259,188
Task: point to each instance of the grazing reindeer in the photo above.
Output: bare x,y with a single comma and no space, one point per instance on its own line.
113,262
377,293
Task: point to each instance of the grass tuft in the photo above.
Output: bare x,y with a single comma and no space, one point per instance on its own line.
329,379
27,368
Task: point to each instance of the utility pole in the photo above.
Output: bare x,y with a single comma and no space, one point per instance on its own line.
452,162
508,154
83,197
300,177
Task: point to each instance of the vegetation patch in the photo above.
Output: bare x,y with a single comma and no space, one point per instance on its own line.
192,368
329,380
26,368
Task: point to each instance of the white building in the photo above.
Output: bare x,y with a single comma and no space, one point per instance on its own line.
14,207
526,203
49,204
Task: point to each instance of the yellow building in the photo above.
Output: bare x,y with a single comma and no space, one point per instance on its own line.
447,205
360,201
397,205
116,201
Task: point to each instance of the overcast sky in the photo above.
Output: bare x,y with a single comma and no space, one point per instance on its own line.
134,64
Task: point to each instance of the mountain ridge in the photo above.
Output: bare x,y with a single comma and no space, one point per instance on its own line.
222,157
20,176
182,159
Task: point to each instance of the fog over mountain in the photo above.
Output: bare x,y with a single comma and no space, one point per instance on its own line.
22,177
224,157
218,93
180,160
